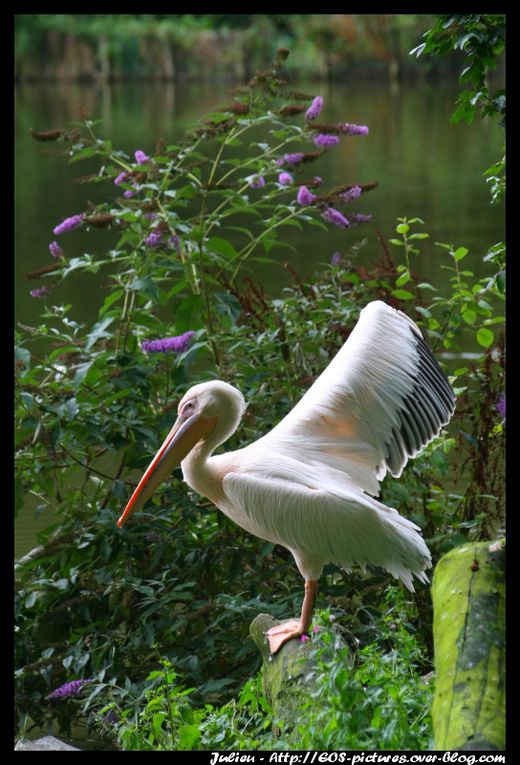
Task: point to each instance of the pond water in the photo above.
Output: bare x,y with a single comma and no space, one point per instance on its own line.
425,167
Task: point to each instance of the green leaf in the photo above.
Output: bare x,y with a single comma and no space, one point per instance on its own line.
98,331
403,279
84,153
222,246
190,313
110,300
189,737
403,294
117,396
81,372
402,228
147,286
469,316
485,337
418,50
72,408
181,285
23,355
460,253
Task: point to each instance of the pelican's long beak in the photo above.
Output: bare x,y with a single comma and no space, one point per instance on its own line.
181,439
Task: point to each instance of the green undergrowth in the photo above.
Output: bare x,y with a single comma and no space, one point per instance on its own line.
372,697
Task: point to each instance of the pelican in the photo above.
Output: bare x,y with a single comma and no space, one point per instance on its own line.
311,483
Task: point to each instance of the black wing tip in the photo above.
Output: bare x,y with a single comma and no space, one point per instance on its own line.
425,411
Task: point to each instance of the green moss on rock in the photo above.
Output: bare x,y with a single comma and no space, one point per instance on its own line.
285,680
468,592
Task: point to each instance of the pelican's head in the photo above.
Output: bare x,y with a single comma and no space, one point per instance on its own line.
208,412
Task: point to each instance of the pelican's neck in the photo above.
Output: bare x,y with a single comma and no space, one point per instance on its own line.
197,459
198,469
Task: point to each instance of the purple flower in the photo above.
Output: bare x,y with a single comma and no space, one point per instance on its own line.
140,157
360,218
154,238
332,618
304,638
334,216
317,180
150,216
123,178
285,179
110,717
335,258
350,129
501,405
351,194
314,109
68,690
120,178
258,182
315,629
305,197
291,159
175,242
324,139
177,344
39,292
68,224
56,250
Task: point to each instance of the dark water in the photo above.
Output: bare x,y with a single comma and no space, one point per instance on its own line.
425,166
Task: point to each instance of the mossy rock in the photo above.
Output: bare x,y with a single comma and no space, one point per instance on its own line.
286,680
468,593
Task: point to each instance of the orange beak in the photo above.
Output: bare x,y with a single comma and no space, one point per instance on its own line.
185,434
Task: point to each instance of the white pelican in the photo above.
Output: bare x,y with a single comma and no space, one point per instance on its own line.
310,483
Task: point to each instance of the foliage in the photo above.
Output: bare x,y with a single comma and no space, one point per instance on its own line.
159,715
372,698
481,38
94,602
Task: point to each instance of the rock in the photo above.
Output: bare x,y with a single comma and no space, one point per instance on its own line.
44,744
468,593
284,674
288,677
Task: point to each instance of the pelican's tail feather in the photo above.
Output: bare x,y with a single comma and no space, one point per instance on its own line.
399,547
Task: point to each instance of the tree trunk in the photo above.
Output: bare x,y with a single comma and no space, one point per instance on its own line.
468,592
104,58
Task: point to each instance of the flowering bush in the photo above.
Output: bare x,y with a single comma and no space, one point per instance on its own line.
181,213
188,218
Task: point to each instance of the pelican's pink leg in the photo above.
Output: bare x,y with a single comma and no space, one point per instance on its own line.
280,634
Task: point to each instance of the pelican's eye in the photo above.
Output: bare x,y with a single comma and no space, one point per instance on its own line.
188,408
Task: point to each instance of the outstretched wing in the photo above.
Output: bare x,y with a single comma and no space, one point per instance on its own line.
343,527
378,403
